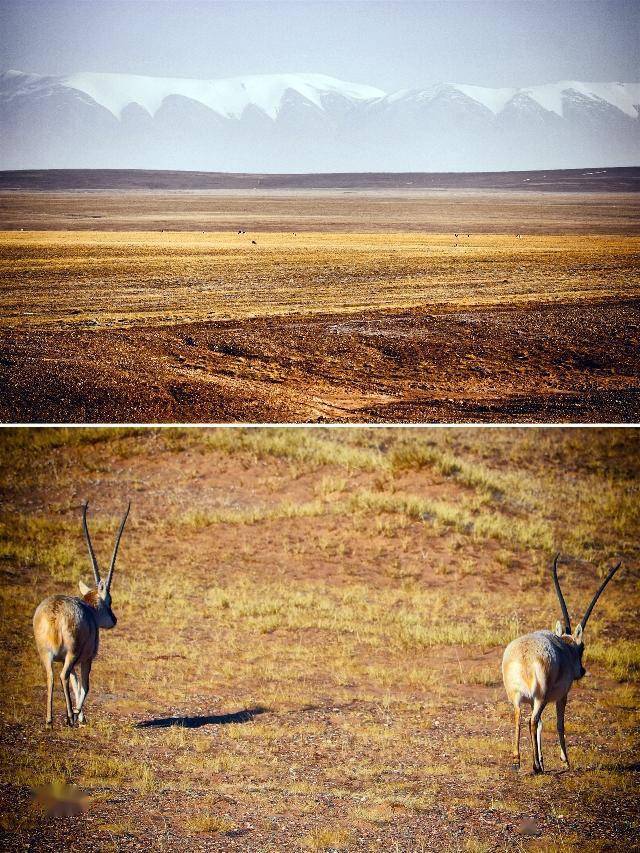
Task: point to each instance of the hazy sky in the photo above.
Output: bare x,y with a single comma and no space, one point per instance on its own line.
388,44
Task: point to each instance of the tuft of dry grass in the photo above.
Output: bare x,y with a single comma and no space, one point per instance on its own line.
327,838
211,824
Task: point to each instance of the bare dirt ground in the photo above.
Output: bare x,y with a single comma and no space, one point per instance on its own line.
338,325
568,363
484,211
310,628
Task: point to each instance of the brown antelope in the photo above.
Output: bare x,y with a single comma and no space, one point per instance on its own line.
541,667
66,629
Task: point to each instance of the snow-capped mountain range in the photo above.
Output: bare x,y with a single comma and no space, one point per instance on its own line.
311,123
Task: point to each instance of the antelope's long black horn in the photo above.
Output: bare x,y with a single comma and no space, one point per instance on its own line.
94,562
563,606
116,546
598,593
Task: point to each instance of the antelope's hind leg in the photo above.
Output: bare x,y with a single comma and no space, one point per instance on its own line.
535,728
561,704
76,691
47,662
539,743
65,675
83,690
517,713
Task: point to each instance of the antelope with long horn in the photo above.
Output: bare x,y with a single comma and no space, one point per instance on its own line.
540,668
66,629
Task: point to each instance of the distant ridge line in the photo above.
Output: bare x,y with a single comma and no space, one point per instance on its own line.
588,179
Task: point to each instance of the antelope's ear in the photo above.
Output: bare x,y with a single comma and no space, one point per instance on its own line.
559,631
84,589
577,634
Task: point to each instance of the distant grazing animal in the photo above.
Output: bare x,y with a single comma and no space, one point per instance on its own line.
254,242
541,667
66,629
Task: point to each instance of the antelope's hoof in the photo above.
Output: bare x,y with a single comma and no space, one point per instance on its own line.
70,721
48,724
537,769
515,766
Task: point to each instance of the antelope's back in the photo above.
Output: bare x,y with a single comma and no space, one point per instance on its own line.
528,663
63,623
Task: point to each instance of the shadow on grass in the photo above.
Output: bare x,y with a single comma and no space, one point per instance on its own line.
244,716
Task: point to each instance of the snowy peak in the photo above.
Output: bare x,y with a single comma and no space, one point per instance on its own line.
311,123
228,97
551,97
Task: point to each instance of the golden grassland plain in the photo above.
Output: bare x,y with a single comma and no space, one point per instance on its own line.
114,279
310,628
323,325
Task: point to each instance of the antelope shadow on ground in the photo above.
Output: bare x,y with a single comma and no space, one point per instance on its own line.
244,716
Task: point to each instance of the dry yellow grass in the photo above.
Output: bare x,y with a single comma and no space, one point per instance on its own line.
116,278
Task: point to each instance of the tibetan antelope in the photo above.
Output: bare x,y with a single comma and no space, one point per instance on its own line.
541,667
66,629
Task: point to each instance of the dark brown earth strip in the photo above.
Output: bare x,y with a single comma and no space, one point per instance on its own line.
560,363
